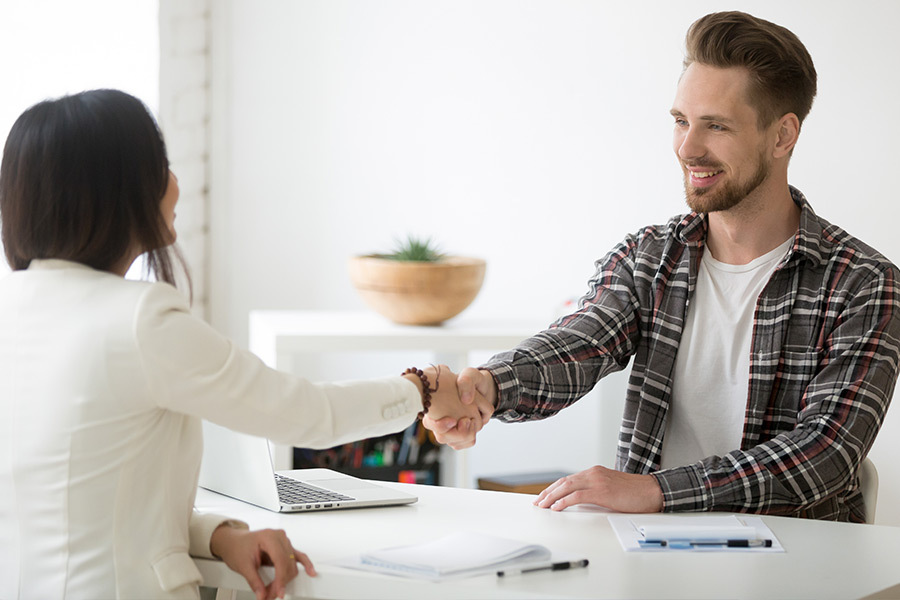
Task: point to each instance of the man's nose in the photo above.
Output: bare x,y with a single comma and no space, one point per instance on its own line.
690,145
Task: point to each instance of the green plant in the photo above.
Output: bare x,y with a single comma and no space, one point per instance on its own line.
414,249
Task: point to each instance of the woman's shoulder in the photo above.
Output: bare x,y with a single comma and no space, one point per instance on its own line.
76,285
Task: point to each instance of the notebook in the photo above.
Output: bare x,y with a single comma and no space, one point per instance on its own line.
456,555
240,465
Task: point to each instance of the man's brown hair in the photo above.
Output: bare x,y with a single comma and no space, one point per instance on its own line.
783,78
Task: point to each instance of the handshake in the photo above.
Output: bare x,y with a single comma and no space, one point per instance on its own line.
460,404
463,403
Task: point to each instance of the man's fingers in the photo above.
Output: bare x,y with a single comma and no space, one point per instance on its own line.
485,409
484,383
552,493
576,497
466,384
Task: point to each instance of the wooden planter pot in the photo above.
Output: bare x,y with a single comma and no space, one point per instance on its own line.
417,293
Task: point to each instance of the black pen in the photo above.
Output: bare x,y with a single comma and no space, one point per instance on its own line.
682,544
557,566
735,543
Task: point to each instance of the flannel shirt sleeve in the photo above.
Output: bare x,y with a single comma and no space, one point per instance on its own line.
559,365
842,409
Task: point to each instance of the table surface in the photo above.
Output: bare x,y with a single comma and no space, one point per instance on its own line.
822,559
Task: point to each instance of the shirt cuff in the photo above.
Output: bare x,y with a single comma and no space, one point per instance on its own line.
507,386
201,529
683,490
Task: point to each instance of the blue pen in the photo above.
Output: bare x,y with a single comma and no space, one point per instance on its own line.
652,543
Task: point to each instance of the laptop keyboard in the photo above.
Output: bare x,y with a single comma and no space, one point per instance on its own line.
291,491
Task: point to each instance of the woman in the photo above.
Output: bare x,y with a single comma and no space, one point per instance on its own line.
103,381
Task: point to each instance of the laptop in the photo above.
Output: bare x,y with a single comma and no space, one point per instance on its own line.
240,466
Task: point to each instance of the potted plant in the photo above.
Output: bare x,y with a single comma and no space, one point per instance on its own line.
416,284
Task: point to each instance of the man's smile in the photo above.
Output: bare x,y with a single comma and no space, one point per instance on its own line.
705,177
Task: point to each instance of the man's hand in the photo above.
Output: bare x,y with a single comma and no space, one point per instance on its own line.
466,392
623,492
472,382
246,551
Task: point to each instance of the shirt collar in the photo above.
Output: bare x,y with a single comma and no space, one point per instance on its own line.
55,264
810,242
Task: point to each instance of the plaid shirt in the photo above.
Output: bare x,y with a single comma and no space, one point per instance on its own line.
823,364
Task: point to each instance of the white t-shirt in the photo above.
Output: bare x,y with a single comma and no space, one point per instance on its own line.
712,369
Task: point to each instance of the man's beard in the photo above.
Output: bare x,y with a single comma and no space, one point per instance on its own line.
709,200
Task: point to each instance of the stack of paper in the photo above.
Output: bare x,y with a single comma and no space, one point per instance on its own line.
459,554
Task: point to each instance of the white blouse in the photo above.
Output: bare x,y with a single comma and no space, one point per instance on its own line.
103,383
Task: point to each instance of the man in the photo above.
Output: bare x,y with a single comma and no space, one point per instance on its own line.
764,340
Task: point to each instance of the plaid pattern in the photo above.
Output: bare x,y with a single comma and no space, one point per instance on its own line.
823,365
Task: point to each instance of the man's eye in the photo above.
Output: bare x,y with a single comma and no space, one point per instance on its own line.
716,127
681,122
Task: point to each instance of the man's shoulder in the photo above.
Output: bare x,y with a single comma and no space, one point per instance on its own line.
652,247
677,226
837,247
839,264
676,233
827,245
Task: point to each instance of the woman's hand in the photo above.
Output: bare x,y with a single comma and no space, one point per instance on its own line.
246,551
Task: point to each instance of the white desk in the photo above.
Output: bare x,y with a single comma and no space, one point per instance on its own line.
280,337
277,334
822,560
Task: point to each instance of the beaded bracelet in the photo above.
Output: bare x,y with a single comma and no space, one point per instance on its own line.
426,390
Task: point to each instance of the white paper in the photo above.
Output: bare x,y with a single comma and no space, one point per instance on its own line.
662,527
629,530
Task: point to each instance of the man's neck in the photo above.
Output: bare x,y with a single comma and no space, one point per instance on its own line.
759,224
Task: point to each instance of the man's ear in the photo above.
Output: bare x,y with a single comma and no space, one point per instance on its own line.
787,130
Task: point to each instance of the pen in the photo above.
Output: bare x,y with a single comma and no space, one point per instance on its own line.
679,544
557,566
735,543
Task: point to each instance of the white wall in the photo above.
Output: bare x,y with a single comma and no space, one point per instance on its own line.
56,47
184,119
532,133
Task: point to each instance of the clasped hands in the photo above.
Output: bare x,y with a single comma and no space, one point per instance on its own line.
460,406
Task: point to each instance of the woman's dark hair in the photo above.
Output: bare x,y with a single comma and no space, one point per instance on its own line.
82,178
